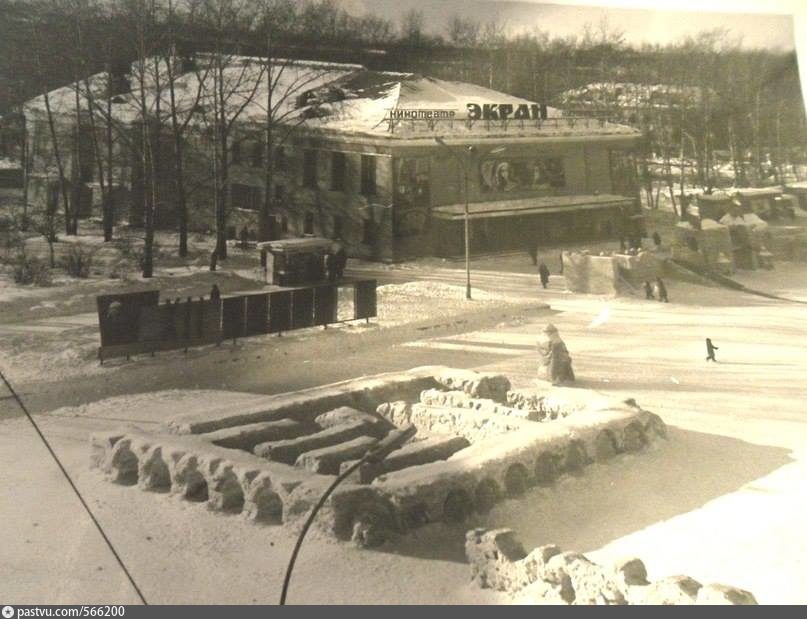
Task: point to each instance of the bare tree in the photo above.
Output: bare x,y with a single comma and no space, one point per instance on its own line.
230,84
411,27
39,45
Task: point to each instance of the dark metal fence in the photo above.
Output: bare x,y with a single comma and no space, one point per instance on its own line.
136,323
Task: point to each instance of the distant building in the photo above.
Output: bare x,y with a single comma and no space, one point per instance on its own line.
361,162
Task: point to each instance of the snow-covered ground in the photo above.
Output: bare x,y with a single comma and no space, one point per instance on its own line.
64,347
722,500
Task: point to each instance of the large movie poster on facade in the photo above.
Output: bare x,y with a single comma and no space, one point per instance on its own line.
519,174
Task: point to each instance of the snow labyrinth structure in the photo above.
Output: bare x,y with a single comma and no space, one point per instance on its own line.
478,442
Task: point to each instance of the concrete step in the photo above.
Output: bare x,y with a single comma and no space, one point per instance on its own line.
327,460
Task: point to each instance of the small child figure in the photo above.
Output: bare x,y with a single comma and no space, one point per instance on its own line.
710,350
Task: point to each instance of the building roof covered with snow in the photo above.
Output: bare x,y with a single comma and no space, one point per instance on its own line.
331,98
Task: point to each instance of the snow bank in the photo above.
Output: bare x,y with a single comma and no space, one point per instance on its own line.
711,224
432,290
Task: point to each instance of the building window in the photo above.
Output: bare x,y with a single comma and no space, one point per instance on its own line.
308,224
280,192
257,154
310,169
338,168
338,224
235,152
245,196
368,187
368,236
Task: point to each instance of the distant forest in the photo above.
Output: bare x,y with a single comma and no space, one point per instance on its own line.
754,99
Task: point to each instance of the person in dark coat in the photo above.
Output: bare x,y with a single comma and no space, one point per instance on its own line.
215,293
662,291
657,239
648,291
710,350
543,273
341,261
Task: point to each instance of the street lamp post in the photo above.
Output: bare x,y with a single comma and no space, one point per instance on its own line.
467,218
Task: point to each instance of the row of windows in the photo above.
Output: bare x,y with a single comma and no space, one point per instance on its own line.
369,227
339,172
311,166
255,154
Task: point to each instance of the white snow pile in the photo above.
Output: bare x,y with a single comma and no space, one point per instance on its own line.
711,224
750,220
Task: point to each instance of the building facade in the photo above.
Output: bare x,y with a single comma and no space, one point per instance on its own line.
383,161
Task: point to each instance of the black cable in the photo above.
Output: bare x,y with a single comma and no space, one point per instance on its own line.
308,523
75,489
394,440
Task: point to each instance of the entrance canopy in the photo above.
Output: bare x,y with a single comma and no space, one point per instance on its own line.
531,206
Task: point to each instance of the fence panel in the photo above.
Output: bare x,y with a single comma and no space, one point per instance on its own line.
325,300
280,311
233,317
119,314
302,308
365,299
257,314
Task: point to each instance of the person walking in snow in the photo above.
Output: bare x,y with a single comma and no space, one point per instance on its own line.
710,350
543,273
648,291
215,293
662,291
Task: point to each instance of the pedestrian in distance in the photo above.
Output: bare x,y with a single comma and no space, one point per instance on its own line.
214,260
656,239
648,291
215,293
710,350
340,261
543,273
662,291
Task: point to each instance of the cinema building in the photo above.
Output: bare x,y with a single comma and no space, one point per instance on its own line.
386,161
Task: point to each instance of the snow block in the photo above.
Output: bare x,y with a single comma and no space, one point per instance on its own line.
592,584
714,595
327,460
247,436
493,555
413,454
101,443
475,384
673,590
307,404
345,414
549,576
289,450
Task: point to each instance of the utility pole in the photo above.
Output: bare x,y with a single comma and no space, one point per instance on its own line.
467,218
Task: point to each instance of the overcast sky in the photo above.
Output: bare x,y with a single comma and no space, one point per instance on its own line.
756,30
